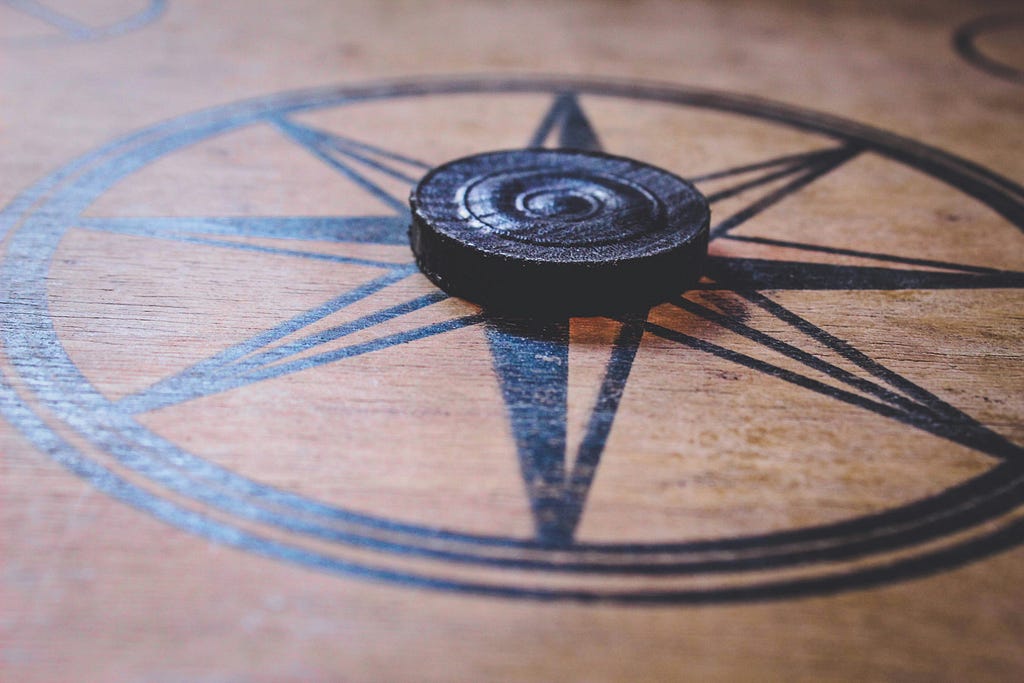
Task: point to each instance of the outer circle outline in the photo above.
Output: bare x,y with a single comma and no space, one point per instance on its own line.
990,495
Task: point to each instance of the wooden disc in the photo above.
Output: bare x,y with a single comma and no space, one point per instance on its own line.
539,232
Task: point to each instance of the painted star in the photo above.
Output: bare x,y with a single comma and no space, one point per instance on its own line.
531,360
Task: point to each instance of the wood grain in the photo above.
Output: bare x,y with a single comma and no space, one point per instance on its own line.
393,485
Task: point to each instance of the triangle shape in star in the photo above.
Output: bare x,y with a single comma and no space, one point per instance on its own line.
532,363
869,204
220,304
566,126
253,171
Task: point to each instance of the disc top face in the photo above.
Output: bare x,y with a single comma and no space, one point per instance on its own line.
590,226
558,201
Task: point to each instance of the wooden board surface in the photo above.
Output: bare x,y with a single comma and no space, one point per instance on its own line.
244,440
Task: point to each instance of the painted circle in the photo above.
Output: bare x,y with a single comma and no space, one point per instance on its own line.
967,37
852,553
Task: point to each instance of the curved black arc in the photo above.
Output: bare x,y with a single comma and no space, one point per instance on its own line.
914,567
965,44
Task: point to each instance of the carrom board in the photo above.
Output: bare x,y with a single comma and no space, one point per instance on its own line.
244,439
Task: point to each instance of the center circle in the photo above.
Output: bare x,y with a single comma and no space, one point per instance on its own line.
553,203
558,198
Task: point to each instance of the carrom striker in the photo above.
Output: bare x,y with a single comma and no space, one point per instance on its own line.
558,231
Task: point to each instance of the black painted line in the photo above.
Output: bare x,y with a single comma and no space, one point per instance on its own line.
381,152
128,154
225,381
552,116
321,146
76,30
965,43
749,274
942,519
602,416
531,361
876,256
278,353
279,251
359,349
209,527
963,431
190,383
787,160
804,163
574,128
805,358
775,371
186,238
819,168
945,411
355,229
37,10
926,411
352,149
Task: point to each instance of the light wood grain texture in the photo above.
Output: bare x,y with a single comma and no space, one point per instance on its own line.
178,507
